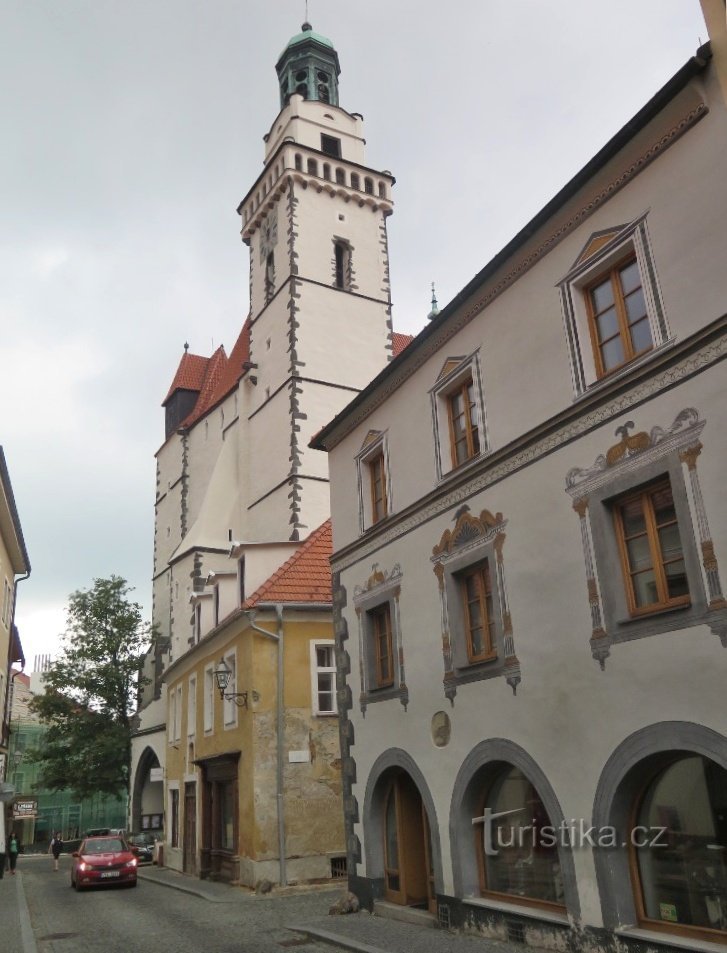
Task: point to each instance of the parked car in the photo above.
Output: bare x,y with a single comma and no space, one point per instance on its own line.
103,860
143,847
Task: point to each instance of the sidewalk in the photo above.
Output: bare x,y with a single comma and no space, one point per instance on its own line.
17,933
358,932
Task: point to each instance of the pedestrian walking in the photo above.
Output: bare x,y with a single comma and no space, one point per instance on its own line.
13,851
56,847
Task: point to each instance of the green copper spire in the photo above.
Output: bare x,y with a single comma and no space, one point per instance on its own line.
309,65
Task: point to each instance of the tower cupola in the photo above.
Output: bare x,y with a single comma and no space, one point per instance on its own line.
309,65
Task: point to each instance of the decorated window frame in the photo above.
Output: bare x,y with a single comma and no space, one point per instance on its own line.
455,373
375,447
603,252
474,541
381,588
639,460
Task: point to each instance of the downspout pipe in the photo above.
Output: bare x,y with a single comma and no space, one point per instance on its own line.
280,726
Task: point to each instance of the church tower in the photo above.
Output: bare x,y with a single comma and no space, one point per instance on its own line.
320,303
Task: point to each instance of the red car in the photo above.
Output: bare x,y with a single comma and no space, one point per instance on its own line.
103,860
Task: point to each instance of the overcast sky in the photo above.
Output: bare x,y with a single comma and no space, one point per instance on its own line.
131,130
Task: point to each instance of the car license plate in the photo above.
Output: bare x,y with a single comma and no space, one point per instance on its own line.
110,873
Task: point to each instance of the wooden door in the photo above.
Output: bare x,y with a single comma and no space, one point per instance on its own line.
190,829
406,851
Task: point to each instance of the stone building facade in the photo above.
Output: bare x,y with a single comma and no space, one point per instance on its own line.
530,616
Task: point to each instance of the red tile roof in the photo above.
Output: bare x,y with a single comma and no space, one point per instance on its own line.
212,377
190,374
400,341
305,577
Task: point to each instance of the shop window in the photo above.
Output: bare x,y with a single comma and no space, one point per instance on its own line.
681,877
517,850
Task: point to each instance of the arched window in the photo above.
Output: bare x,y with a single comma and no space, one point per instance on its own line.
680,848
299,162
312,167
518,851
382,190
326,171
355,181
369,185
340,176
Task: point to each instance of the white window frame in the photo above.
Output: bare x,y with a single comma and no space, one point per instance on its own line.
315,671
178,714
171,715
192,706
174,786
209,700
229,708
632,239
454,372
376,444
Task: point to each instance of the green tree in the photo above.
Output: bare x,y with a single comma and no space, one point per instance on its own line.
90,692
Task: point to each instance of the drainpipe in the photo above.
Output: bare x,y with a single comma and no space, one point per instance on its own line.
280,723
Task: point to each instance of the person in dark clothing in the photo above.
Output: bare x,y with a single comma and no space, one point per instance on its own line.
13,851
56,848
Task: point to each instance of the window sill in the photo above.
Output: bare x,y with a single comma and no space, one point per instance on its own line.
668,610
638,362
464,467
671,939
520,909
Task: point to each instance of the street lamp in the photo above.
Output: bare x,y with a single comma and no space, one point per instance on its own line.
222,675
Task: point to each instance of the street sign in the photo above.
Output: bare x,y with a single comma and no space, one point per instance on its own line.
25,809
156,774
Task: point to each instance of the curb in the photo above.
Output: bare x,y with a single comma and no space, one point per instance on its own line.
334,939
183,888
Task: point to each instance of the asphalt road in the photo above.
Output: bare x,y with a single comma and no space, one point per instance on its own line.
150,917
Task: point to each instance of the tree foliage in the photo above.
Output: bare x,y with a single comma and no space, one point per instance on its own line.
90,691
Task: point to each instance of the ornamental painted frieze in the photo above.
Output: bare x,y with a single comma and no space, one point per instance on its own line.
481,538
633,452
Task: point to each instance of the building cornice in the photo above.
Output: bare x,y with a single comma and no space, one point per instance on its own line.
667,369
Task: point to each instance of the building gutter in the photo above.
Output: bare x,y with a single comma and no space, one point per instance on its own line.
280,726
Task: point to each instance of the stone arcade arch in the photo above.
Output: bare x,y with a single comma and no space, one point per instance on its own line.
642,754
480,765
386,766
141,805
